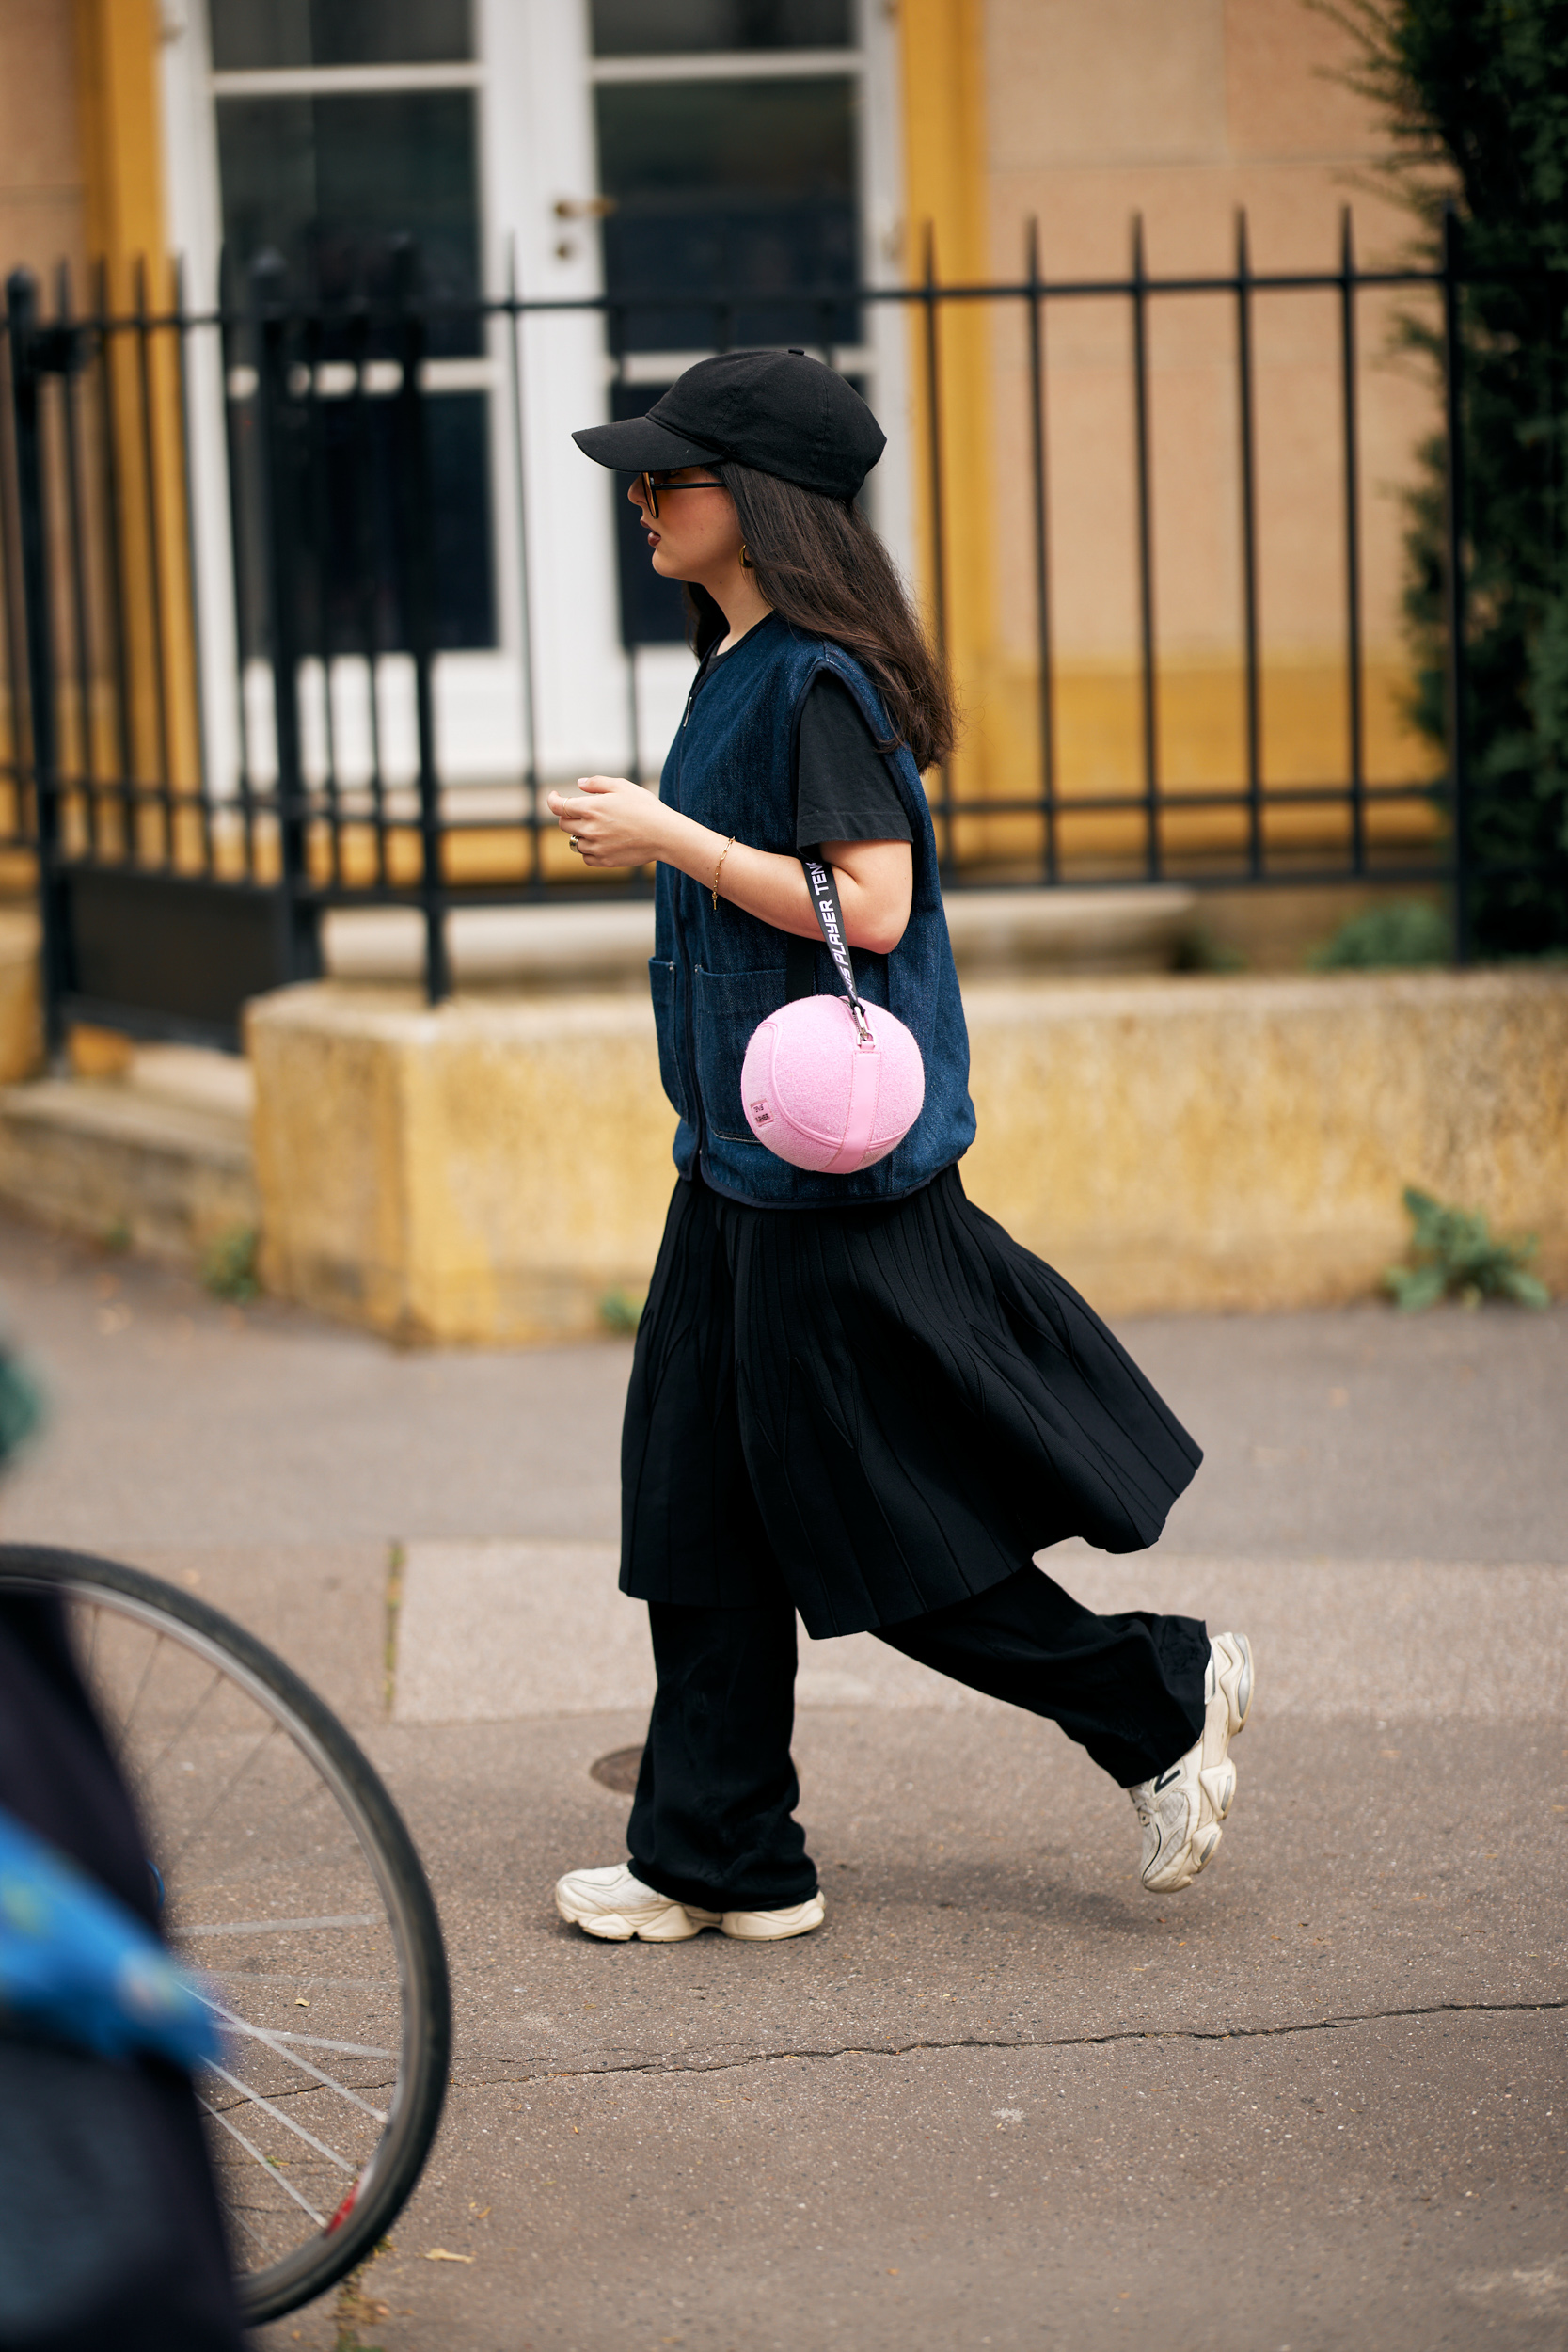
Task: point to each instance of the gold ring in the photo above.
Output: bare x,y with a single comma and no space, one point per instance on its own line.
573,842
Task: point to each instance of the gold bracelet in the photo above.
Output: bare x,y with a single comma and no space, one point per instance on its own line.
719,867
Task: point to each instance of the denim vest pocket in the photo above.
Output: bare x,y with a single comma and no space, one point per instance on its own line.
728,1006
665,988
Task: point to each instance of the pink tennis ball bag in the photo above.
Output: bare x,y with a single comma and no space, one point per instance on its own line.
830,1083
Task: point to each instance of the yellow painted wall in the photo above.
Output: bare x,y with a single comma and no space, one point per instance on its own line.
946,213
1075,115
124,224
40,214
1071,113
489,1171
116,49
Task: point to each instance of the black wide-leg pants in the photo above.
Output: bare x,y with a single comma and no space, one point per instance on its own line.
712,1822
876,1416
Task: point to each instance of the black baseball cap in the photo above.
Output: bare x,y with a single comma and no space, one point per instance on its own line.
776,410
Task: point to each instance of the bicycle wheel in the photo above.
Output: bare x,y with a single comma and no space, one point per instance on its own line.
292,1888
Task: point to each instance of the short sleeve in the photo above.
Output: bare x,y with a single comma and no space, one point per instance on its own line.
847,789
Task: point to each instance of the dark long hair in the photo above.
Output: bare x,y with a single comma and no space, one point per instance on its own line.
823,569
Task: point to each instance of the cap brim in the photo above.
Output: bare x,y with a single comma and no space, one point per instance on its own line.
640,445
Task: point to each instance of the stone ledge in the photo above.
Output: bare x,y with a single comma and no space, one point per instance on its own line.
1243,1143
161,1174
485,1172
603,941
488,1171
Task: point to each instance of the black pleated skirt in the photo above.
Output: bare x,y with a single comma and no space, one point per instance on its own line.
887,1407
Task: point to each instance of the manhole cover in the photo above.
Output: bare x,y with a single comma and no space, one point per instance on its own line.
618,1770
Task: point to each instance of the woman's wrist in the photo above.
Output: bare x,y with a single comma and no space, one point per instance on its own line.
693,849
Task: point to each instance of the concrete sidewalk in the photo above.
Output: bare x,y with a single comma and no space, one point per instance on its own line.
1003,2097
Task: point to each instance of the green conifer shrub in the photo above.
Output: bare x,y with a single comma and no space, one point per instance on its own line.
1475,95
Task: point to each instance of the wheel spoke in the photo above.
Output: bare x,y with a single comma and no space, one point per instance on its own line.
122,1732
284,1927
287,2121
178,1733
286,1833
232,2212
194,1836
268,2167
310,2042
275,2042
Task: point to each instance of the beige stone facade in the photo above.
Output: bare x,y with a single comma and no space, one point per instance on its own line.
41,216
1075,115
490,1172
1093,112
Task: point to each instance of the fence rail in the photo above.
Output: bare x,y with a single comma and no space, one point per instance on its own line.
176,874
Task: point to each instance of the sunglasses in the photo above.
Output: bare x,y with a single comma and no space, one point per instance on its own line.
653,485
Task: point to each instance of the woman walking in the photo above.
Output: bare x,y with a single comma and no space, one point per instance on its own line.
853,1396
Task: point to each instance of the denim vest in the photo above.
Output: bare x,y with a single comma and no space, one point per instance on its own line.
717,972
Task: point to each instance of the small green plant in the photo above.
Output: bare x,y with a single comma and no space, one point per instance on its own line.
1406,933
620,1310
1456,1256
228,1267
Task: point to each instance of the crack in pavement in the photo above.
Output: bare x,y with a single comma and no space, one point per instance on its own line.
1047,2041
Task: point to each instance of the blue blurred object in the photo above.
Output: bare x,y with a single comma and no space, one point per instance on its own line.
76,1964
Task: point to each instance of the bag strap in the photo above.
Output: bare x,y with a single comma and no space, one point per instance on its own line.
829,918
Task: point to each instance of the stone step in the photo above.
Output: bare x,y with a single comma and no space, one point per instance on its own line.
543,947
157,1160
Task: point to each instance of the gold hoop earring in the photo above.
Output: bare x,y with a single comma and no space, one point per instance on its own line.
745,562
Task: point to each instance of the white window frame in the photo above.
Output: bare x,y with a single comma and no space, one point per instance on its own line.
664,671
534,76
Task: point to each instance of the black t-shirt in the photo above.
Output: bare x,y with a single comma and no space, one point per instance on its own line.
846,792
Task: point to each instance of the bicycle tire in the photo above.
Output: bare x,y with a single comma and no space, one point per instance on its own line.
385,2182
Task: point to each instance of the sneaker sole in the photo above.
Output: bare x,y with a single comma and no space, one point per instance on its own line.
671,1926
772,1927
1228,1708
1235,1678
1231,1667
1196,1855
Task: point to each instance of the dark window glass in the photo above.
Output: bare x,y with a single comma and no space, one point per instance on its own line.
250,36
328,182
659,29
731,199
345,526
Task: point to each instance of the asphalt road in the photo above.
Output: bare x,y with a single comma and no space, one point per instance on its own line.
1003,2097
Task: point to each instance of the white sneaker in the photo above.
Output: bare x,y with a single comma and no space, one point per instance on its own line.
614,1904
1181,1810
771,1926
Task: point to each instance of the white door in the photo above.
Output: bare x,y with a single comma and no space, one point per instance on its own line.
665,148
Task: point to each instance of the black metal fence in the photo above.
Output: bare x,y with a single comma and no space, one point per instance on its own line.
173,886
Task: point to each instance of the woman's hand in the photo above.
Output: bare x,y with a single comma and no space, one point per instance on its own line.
611,822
